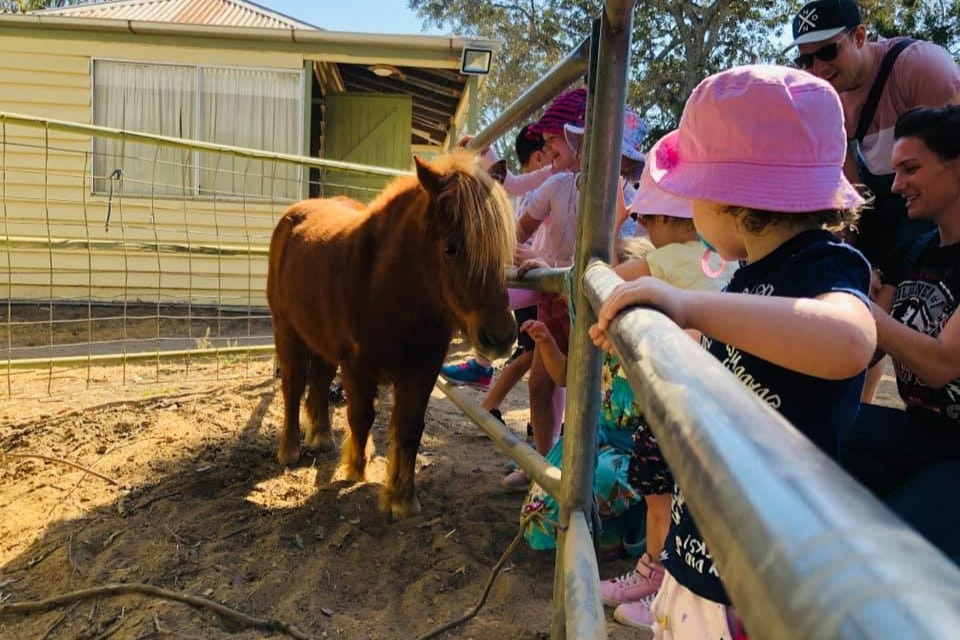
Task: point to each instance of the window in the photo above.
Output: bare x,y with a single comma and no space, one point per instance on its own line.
251,108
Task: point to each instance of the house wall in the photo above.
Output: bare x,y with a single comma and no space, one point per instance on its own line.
45,188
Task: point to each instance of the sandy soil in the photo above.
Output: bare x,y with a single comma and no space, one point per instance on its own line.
193,500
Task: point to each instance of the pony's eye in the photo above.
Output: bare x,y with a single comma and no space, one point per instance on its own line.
451,249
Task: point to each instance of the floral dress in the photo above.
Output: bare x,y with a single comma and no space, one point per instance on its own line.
619,418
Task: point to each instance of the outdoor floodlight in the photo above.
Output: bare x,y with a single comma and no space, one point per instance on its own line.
475,61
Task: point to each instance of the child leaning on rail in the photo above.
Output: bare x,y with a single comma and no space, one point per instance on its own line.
676,258
760,153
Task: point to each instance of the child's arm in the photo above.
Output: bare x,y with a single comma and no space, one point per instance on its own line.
620,217
554,360
936,361
831,336
526,227
633,269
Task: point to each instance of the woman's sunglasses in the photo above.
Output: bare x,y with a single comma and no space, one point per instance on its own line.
826,53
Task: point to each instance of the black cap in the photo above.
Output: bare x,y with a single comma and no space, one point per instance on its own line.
824,19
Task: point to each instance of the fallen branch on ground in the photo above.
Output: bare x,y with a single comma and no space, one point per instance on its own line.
61,461
158,592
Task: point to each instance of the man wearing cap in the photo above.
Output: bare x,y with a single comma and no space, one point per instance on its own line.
877,81
832,43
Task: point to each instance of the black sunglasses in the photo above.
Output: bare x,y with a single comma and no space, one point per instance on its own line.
826,53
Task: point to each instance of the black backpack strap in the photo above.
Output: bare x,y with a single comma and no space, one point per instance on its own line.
876,90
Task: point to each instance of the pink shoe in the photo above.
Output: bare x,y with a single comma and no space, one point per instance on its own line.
643,581
635,614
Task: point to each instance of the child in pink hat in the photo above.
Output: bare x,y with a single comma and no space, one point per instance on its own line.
759,152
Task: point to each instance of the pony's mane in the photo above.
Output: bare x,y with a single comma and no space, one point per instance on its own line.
478,205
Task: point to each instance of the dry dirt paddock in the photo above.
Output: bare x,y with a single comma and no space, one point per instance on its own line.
187,496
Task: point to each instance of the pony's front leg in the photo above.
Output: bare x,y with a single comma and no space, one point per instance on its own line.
410,398
361,393
317,435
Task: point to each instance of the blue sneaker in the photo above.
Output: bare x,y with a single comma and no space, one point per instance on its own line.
468,373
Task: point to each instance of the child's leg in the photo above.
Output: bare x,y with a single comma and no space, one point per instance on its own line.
543,417
559,406
680,614
658,523
510,375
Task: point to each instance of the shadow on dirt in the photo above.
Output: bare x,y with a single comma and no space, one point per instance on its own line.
211,513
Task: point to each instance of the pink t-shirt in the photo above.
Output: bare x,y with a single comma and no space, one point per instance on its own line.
924,75
555,205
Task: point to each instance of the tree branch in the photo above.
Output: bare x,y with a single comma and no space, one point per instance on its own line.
158,592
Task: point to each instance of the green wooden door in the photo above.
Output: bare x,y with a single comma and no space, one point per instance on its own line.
365,129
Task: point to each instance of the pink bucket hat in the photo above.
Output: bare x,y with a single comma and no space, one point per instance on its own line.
652,200
634,133
759,136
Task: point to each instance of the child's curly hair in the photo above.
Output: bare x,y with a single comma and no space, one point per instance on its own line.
842,222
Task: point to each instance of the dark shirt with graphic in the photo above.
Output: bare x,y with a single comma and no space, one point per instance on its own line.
928,291
806,266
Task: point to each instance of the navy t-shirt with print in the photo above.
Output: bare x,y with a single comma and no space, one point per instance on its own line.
928,295
808,265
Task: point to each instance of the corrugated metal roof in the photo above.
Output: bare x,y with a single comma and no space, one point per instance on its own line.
222,13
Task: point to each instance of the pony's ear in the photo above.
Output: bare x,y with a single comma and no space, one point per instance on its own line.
498,171
428,177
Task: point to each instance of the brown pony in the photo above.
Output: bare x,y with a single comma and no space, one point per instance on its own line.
378,290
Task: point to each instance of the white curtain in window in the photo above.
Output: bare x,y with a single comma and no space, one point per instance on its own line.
150,98
258,109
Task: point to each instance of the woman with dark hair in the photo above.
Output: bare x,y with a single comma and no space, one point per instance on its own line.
911,459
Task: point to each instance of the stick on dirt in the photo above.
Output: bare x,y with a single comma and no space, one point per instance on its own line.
61,461
158,592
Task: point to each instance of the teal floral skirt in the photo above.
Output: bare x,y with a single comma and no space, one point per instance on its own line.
612,490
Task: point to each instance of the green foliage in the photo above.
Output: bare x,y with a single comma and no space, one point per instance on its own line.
676,43
934,20
26,6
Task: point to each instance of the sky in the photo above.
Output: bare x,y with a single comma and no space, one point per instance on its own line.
362,16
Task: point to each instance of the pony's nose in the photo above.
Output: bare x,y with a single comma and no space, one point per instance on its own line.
496,342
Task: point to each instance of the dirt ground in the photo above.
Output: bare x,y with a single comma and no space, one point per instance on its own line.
192,500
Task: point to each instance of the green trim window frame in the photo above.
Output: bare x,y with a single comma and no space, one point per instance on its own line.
248,107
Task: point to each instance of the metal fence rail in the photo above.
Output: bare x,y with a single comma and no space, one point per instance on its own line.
578,609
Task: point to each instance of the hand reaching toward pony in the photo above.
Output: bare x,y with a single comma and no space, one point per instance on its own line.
554,359
531,263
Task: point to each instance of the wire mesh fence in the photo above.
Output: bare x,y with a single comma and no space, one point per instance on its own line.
141,260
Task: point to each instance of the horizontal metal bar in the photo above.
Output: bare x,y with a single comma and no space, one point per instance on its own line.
804,551
32,363
27,242
539,470
184,143
552,280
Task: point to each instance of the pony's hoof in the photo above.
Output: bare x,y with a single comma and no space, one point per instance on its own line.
319,443
402,509
288,456
350,473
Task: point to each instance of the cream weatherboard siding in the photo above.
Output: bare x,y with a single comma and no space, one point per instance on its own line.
45,188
